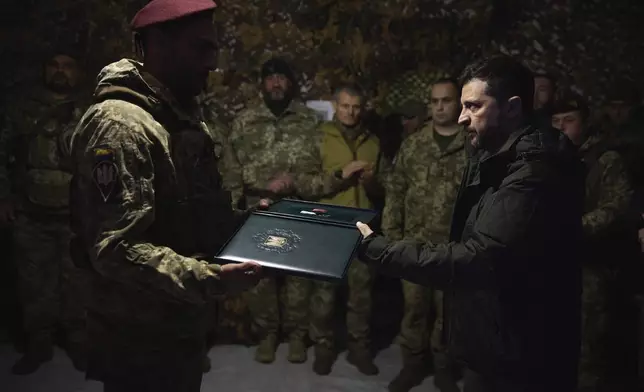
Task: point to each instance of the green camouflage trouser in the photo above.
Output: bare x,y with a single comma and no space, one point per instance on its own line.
594,325
360,281
263,303
415,337
51,288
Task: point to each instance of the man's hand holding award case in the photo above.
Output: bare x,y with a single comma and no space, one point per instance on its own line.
311,240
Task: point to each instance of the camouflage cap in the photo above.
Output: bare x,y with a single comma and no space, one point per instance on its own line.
569,101
277,66
412,108
160,11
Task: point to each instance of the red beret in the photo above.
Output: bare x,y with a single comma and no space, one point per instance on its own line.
159,11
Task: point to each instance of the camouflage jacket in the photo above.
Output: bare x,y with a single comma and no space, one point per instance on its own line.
34,152
608,187
422,187
267,145
229,167
147,198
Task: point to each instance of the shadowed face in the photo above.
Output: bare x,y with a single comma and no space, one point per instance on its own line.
569,123
543,91
62,74
276,87
192,54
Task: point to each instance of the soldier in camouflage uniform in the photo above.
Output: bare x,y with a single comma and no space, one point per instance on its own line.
342,141
272,139
229,167
149,210
420,194
608,196
36,138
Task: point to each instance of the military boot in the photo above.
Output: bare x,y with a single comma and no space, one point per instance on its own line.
205,365
360,357
414,371
38,351
444,374
324,359
296,350
77,352
265,352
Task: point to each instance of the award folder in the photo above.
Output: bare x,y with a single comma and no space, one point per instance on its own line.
293,237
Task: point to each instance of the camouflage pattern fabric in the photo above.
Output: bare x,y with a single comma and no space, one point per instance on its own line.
232,312
266,146
229,167
421,190
412,86
35,141
141,223
52,289
360,280
608,197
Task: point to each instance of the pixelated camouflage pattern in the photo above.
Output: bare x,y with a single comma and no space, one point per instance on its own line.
360,278
266,146
229,167
608,198
410,86
141,237
34,151
421,190
330,41
422,187
52,290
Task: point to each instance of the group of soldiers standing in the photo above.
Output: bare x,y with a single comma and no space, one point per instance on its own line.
278,148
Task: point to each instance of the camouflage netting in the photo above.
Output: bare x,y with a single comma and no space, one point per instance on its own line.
368,41
393,48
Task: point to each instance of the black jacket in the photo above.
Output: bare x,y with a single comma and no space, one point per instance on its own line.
511,274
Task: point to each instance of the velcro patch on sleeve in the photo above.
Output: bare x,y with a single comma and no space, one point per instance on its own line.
105,173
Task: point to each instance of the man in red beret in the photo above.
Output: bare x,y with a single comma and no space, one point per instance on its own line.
148,208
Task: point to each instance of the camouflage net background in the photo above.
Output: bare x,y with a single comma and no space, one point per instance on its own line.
393,48
373,42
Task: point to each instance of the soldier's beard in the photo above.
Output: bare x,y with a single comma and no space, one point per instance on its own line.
277,106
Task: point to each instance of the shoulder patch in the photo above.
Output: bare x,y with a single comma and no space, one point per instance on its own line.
105,173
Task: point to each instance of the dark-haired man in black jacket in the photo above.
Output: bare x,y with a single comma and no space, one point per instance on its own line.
511,273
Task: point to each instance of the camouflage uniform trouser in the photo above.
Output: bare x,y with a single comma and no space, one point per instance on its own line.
263,303
415,338
51,287
360,280
594,313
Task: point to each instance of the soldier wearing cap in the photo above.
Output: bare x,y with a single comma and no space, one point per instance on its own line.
34,198
149,210
608,197
274,142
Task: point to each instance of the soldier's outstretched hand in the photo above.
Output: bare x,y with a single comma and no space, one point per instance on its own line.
240,277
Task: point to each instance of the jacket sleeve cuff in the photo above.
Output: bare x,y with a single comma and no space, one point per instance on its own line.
372,248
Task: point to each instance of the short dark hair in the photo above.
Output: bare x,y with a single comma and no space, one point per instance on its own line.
449,80
546,75
505,78
350,88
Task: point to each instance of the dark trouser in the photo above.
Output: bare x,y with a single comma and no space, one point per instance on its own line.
475,382
129,360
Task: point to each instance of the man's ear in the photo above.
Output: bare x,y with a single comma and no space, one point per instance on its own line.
335,104
513,107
